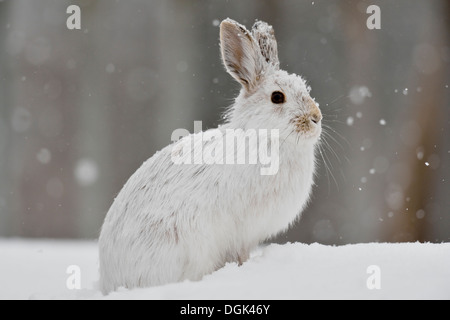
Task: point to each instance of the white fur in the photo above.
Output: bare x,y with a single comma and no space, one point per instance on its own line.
172,222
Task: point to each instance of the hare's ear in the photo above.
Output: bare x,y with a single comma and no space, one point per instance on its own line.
240,53
265,37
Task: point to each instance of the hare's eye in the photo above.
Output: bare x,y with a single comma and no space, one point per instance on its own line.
278,97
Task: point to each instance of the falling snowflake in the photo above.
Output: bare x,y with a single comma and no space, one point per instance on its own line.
44,156
420,214
110,68
21,120
420,153
358,94
86,172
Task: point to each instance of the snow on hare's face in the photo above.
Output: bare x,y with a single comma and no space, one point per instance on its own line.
270,97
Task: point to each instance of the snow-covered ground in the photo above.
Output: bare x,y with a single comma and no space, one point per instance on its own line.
38,270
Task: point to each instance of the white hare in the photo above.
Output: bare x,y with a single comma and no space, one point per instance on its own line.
172,222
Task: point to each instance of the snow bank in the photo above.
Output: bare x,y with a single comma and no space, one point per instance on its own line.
37,270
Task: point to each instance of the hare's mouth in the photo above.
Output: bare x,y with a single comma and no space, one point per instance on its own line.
307,126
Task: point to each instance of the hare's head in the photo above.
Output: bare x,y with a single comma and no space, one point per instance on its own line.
270,98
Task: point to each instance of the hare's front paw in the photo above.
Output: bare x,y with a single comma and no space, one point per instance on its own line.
243,257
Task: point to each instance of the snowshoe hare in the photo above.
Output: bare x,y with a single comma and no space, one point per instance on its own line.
176,221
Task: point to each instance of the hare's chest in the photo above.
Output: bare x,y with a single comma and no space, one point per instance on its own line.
288,194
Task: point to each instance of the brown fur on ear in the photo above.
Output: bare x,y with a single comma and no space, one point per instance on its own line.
265,37
240,54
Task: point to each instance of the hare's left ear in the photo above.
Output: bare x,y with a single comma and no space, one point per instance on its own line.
265,37
241,54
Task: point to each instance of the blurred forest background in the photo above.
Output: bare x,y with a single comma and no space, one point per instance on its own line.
80,110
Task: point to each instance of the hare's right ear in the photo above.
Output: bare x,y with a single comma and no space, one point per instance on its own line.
265,37
240,54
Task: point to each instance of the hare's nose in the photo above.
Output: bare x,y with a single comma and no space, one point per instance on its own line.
315,117
314,112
